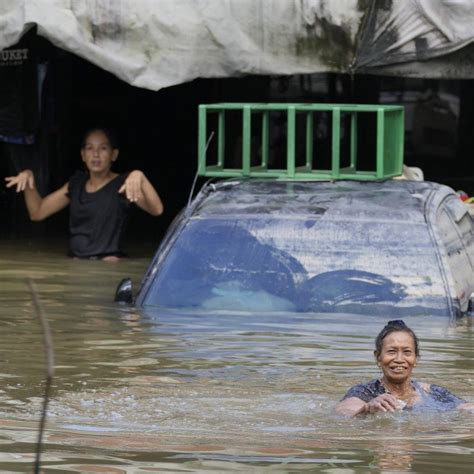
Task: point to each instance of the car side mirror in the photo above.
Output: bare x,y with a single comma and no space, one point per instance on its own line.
123,293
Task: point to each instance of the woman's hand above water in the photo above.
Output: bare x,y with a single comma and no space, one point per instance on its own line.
132,186
140,191
384,403
354,406
21,181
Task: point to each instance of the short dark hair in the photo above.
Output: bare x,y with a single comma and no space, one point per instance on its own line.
395,326
108,132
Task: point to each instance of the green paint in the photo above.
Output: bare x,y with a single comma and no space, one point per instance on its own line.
389,148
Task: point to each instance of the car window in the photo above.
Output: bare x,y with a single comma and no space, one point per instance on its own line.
300,264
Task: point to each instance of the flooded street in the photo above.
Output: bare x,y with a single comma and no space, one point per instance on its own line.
141,393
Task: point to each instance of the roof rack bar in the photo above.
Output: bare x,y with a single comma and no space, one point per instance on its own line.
380,143
336,141
246,140
309,139
265,138
221,139
202,133
304,145
291,142
353,140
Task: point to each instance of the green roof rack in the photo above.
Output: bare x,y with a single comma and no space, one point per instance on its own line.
254,126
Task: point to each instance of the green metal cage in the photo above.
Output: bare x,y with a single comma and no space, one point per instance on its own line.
388,141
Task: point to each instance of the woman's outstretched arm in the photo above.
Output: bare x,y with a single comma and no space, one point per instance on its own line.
38,208
354,406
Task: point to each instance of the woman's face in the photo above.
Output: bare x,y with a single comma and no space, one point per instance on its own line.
97,153
398,356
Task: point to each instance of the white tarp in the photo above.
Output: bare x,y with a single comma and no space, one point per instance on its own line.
158,43
415,30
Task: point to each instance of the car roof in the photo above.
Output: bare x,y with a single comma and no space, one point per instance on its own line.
394,200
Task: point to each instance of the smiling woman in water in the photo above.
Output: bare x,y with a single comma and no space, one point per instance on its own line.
99,198
397,352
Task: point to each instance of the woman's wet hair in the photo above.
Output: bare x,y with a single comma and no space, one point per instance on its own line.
108,132
396,325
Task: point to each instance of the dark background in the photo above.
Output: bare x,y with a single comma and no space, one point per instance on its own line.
158,130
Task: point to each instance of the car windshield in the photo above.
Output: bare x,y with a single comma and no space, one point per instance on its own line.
309,264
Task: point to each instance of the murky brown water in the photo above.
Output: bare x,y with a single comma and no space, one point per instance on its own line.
217,393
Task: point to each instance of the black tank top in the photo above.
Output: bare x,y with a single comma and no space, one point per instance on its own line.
96,220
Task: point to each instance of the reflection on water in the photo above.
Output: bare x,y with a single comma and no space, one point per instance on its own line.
136,393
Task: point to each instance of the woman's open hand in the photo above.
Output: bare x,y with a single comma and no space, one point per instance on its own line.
384,403
132,187
140,191
21,180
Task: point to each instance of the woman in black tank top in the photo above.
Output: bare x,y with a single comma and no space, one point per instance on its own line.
99,199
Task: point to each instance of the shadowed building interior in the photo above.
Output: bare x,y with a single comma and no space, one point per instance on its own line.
54,96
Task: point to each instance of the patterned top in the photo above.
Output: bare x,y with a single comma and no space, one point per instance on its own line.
433,397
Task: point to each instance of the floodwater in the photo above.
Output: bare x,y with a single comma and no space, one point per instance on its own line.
142,393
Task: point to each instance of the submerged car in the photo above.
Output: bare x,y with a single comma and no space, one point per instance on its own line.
391,248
